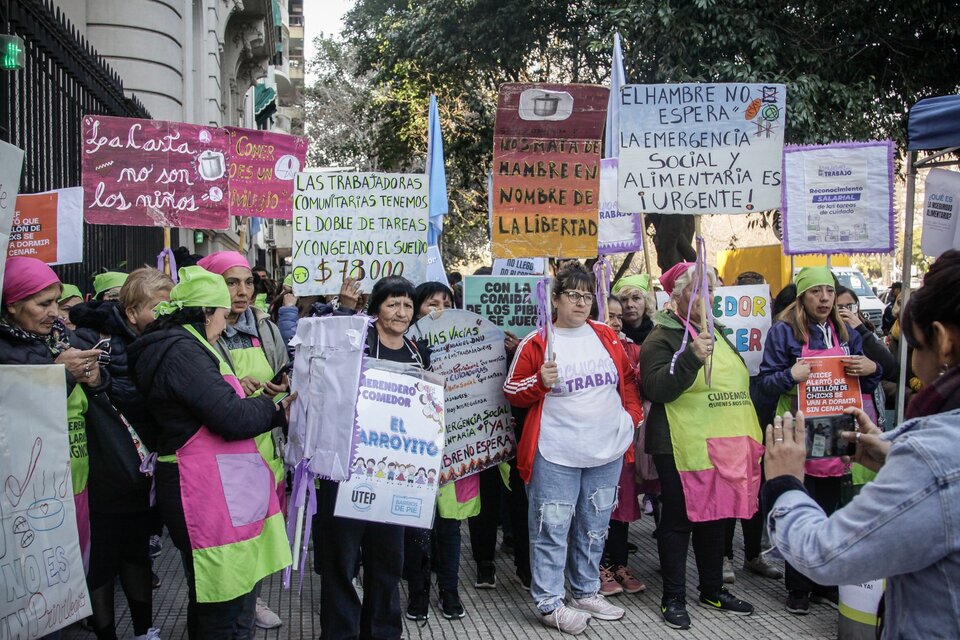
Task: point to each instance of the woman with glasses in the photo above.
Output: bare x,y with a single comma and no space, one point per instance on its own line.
584,406
848,306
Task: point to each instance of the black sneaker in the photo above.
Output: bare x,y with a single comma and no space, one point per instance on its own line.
830,597
798,602
450,605
419,606
631,548
524,578
486,576
674,612
726,601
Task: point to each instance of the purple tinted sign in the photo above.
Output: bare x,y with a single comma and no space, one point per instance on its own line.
262,167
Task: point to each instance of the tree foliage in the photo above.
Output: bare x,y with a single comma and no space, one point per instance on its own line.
852,70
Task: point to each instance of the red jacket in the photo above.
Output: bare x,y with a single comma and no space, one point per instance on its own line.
524,388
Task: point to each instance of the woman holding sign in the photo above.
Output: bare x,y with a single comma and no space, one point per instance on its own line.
704,437
584,407
811,326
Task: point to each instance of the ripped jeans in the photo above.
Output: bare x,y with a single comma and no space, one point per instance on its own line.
568,518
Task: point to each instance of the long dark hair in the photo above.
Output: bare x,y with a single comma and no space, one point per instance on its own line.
938,300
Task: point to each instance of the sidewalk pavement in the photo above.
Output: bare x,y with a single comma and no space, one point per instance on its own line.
507,611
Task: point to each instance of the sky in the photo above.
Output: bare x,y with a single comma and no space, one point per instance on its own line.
321,16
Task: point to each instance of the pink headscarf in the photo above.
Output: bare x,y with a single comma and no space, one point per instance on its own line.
24,277
222,261
669,279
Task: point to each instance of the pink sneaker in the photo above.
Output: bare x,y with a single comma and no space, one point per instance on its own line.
608,583
628,581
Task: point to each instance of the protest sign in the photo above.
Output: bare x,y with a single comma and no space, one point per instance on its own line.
619,230
155,173
468,351
518,267
838,198
828,390
701,148
360,225
11,161
745,313
40,560
398,447
262,166
503,300
940,208
546,170
49,226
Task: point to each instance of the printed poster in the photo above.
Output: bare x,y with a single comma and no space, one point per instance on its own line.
546,170
701,148
398,448
838,198
505,301
828,390
43,587
941,199
48,226
745,313
619,230
262,166
468,351
152,173
11,161
358,225
519,267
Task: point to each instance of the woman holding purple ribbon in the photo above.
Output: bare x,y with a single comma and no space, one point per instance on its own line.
704,437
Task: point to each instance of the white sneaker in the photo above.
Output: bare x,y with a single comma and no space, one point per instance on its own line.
151,634
728,576
566,619
598,607
266,619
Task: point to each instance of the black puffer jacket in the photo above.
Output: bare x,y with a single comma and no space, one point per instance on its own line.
181,381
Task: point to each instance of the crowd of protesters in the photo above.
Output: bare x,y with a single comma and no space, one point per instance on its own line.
198,373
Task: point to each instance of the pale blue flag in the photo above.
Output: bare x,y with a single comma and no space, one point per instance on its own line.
436,175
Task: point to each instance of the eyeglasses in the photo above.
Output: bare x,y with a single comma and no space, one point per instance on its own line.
576,297
852,307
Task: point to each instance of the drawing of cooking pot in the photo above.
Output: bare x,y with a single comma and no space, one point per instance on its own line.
46,514
540,104
545,105
211,165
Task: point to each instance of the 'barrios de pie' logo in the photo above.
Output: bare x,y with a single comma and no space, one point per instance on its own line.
362,497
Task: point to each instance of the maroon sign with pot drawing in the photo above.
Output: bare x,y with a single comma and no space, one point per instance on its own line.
155,173
262,167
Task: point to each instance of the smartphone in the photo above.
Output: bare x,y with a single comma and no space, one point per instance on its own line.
823,436
277,379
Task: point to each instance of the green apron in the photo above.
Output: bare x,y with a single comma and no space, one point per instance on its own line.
77,422
253,362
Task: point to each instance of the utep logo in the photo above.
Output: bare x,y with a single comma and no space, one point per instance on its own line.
407,507
362,497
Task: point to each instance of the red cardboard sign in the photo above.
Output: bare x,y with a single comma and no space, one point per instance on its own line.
828,390
262,167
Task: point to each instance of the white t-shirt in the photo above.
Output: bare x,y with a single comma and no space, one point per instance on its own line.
583,423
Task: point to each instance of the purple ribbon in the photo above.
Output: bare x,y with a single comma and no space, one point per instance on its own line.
602,269
539,297
167,253
147,467
701,289
303,494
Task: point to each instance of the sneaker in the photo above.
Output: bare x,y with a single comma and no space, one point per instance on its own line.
155,580
598,607
831,598
798,603
419,606
628,581
728,576
151,634
566,620
156,546
608,583
726,601
450,605
674,612
763,568
265,618
486,576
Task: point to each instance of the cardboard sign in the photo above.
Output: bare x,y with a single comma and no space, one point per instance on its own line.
503,300
745,313
359,225
828,390
154,173
619,230
262,168
468,351
838,198
11,161
701,148
546,170
519,267
940,208
394,473
43,585
49,226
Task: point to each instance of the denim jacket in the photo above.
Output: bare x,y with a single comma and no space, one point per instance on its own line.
904,526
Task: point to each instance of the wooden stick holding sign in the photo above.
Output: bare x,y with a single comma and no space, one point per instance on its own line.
646,243
703,290
166,251
242,240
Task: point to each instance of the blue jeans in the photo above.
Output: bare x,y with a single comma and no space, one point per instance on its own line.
568,504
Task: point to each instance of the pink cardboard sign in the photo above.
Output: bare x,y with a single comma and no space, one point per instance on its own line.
154,173
262,167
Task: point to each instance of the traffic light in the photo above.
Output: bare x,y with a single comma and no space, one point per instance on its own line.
12,53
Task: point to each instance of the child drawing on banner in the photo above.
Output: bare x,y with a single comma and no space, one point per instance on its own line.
431,477
421,476
391,471
380,469
432,406
411,472
401,470
359,465
370,464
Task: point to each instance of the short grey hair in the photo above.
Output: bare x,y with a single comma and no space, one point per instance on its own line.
685,278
